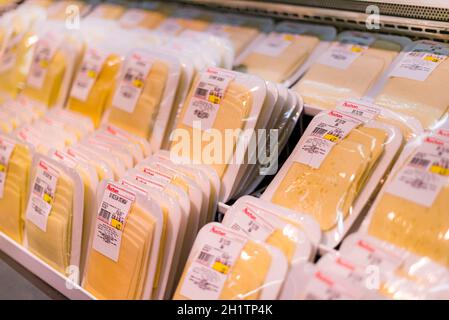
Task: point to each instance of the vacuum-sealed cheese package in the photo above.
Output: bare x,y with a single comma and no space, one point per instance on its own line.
257,220
67,9
124,245
148,182
90,181
289,47
411,209
341,159
221,106
348,68
14,183
241,30
95,79
234,267
54,214
175,230
414,84
399,273
128,137
19,40
54,60
144,95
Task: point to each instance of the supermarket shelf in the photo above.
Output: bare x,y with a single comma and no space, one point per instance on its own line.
42,270
428,20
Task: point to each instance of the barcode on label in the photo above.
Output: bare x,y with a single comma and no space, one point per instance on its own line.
420,162
319,131
201,92
205,257
104,214
38,188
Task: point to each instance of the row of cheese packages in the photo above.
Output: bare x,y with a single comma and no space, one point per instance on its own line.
169,19
401,76
368,268
183,198
249,254
341,158
236,123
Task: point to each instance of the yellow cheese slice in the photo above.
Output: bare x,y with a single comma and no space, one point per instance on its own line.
140,122
95,104
128,272
10,212
421,230
426,100
323,86
286,63
232,114
303,188
246,277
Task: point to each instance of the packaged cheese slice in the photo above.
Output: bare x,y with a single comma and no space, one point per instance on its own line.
67,9
175,232
95,79
233,266
14,182
54,215
102,169
55,55
90,180
148,182
241,30
143,98
414,84
128,137
289,47
411,208
256,220
125,243
345,172
221,111
341,71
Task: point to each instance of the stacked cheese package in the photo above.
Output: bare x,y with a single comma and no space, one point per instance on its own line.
222,124
334,169
348,68
367,268
171,202
411,210
415,83
248,255
291,47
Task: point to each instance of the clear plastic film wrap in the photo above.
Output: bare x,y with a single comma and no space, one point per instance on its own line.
240,269
411,209
143,100
333,171
348,68
222,108
414,85
54,214
55,56
288,47
134,226
241,31
14,184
